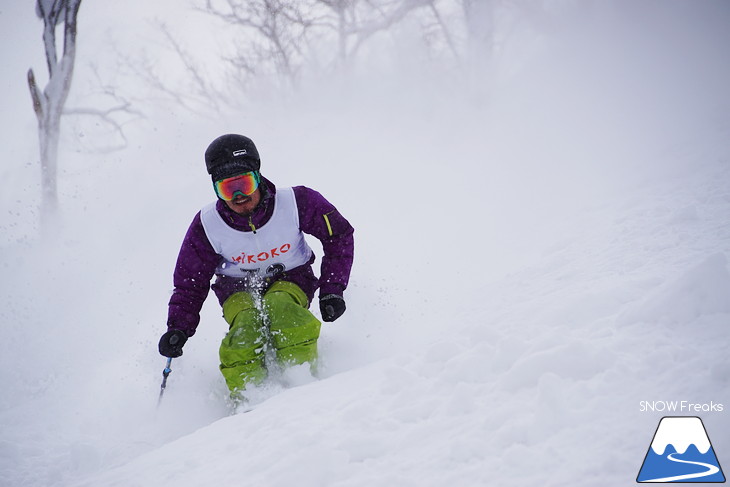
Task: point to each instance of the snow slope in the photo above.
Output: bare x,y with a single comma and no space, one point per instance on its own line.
501,330
538,382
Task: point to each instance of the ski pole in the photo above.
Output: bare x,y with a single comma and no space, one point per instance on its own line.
166,372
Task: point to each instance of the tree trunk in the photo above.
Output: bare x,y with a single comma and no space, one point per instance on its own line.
48,104
342,37
479,17
48,135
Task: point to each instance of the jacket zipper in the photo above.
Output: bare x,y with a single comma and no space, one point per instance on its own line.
250,224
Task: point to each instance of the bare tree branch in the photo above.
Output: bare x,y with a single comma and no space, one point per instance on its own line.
447,32
113,117
203,87
282,24
197,100
35,94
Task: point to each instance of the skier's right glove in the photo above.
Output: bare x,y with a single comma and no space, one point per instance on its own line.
171,343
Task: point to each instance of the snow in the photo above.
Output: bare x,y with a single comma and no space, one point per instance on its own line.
689,431
531,264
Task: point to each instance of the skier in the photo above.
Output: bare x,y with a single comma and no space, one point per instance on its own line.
251,240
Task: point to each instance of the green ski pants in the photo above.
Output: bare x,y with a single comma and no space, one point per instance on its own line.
294,331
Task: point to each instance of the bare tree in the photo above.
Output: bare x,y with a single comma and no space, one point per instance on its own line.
193,90
110,112
280,24
276,41
48,104
479,19
284,30
443,27
356,21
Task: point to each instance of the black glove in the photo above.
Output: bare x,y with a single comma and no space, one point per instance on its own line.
332,306
171,343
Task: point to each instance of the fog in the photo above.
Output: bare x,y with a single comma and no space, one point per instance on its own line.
461,179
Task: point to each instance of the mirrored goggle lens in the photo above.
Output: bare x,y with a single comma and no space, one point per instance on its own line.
245,184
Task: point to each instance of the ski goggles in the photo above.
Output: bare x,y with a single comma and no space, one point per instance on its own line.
244,184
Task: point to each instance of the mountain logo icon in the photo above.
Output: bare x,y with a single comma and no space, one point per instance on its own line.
681,452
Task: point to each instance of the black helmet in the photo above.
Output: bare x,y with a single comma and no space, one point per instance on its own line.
231,154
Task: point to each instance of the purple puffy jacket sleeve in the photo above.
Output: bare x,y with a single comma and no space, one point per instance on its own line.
196,264
319,218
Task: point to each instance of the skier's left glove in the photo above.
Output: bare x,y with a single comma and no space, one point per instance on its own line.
171,343
332,306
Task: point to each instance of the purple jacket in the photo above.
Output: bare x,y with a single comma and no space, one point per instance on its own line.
197,261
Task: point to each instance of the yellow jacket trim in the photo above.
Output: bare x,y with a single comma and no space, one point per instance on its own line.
327,221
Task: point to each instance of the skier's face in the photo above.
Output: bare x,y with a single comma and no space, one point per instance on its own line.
244,205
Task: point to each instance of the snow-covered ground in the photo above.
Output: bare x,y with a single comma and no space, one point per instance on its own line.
530,267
